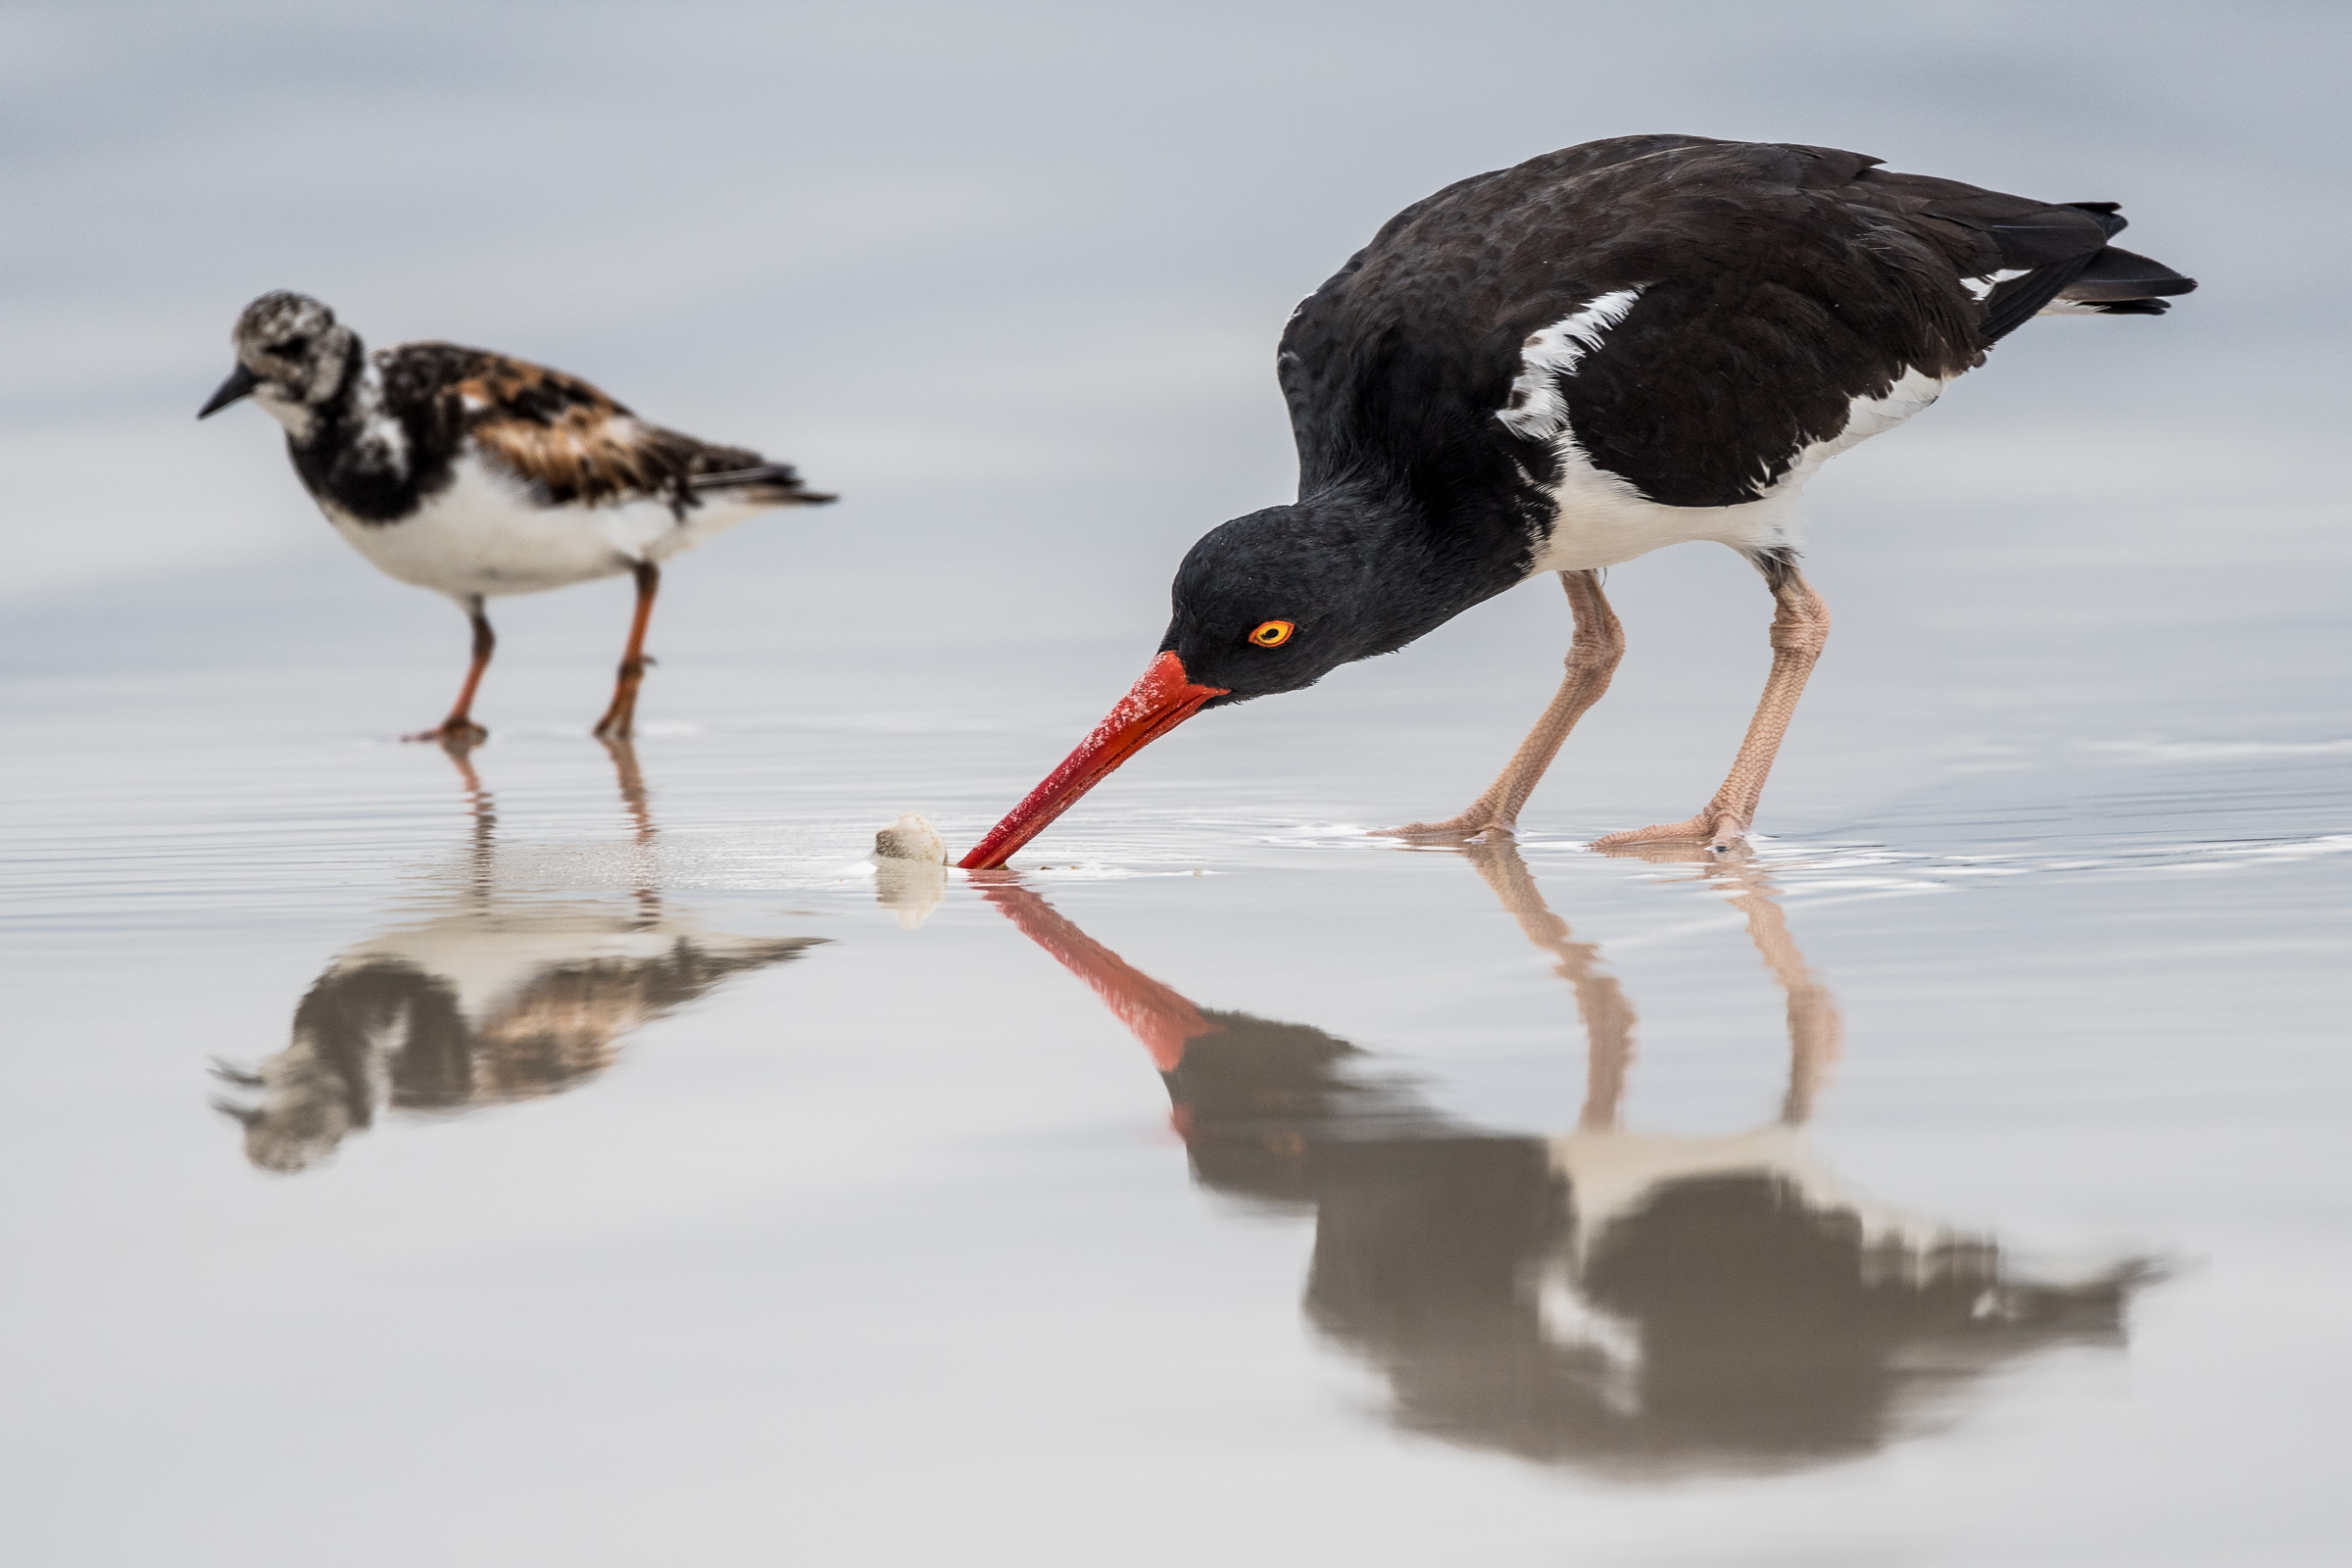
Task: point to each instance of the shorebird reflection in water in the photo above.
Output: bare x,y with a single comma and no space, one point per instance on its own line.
492,998
1607,1298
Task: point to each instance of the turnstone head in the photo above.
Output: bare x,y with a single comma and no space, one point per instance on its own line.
291,359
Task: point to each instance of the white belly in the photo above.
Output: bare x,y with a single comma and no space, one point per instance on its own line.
483,535
1600,520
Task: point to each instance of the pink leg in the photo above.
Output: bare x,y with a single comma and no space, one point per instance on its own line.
1593,656
1816,1031
1607,1011
1800,626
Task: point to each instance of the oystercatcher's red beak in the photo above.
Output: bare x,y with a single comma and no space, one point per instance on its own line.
1162,700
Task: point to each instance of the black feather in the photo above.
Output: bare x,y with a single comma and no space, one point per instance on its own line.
2120,274
2013,304
770,481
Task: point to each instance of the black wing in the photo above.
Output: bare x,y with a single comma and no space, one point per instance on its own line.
1777,284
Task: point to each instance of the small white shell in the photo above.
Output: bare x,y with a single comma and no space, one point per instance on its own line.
911,838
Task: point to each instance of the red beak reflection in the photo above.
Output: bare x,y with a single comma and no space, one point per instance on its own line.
1162,700
1154,1013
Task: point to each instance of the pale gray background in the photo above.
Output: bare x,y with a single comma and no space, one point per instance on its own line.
1010,275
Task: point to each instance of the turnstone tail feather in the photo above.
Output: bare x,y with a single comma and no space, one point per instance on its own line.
475,474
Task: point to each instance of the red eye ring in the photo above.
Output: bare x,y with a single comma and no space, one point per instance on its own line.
1273,635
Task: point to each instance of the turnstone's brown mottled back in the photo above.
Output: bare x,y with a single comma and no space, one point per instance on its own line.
476,476
1555,367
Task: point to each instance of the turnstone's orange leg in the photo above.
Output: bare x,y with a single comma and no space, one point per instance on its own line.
622,715
459,729
633,800
1593,656
1800,626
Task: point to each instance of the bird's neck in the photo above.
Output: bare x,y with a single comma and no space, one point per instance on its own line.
1434,552
324,421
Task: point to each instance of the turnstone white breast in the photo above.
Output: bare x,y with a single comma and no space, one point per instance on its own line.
475,475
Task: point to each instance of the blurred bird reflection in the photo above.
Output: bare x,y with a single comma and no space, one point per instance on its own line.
1607,1298
491,998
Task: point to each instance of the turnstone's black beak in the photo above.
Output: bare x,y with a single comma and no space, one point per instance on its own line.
240,383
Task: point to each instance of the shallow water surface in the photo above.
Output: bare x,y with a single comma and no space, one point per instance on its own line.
586,1156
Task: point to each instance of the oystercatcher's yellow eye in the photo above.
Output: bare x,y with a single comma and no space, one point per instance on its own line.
1273,635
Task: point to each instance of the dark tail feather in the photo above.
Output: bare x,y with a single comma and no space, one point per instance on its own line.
2013,304
2054,243
2120,275
2109,216
774,483
2059,251
2109,281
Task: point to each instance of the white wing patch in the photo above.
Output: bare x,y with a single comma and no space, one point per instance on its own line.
1985,283
1537,409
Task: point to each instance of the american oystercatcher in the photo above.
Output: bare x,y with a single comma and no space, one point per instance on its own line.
477,476
1559,367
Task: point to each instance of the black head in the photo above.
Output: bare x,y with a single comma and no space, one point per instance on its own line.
292,358
1276,600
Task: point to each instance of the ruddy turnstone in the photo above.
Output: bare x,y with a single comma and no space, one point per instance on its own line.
475,475
1557,367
